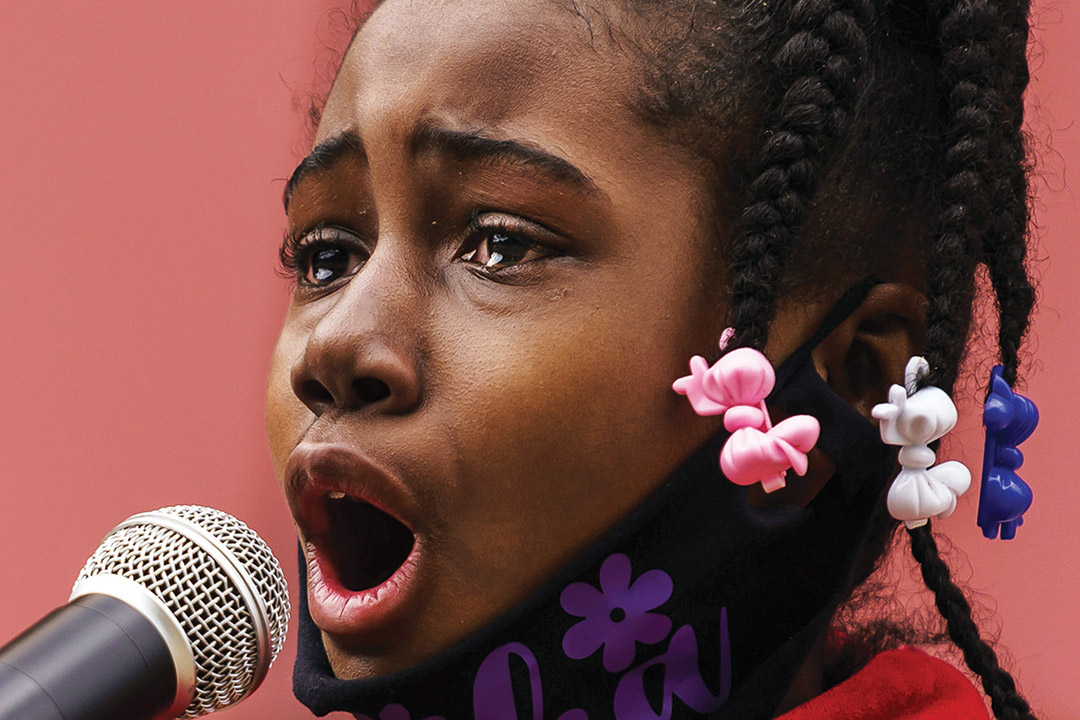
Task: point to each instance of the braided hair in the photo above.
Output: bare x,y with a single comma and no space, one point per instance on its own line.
822,65
891,128
982,199
831,81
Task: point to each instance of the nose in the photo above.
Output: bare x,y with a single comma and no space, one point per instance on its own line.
358,355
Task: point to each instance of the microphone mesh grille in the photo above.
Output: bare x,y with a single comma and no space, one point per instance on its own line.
206,602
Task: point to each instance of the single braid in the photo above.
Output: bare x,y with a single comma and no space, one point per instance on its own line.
1006,702
1006,243
821,66
967,33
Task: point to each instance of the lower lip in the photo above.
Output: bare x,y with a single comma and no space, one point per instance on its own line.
340,611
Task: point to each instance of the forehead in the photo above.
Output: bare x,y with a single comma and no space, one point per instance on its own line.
512,65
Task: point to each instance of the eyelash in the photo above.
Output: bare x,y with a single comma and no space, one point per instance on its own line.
515,229
297,249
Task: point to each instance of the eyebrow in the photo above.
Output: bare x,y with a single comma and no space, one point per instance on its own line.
477,146
469,146
322,158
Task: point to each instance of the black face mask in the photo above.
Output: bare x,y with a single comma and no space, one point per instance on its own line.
696,605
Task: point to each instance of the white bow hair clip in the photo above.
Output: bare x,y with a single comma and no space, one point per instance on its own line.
913,421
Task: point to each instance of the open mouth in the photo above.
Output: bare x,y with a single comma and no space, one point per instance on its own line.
365,545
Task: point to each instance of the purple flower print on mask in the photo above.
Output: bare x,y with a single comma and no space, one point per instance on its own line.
394,711
616,616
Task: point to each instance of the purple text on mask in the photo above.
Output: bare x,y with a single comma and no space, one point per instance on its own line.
682,679
493,692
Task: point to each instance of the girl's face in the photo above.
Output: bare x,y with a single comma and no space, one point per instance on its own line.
501,270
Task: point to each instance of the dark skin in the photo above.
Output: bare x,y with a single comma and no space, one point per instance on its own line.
496,325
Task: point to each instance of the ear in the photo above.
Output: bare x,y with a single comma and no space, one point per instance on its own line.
859,359
868,352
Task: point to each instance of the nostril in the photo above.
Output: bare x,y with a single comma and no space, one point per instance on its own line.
314,394
370,390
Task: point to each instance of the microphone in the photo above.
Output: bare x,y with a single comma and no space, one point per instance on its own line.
178,613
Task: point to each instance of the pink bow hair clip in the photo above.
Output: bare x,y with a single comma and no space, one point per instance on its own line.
913,421
736,387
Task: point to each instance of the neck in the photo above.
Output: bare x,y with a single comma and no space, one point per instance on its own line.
809,681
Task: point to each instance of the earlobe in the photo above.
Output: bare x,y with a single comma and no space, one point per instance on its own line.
867,353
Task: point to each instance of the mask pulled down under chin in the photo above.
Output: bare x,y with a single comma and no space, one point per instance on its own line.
696,605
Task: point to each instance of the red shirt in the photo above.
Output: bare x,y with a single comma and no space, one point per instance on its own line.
904,684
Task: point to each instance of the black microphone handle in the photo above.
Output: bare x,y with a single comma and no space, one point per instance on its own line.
96,658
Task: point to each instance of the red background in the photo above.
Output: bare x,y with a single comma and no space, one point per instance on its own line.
143,148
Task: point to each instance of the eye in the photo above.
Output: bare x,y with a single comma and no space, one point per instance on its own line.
322,256
498,243
327,265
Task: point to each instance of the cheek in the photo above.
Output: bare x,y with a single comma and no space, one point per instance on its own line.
563,425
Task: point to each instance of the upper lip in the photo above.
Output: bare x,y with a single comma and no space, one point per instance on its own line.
316,469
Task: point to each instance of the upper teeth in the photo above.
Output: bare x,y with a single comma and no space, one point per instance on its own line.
336,495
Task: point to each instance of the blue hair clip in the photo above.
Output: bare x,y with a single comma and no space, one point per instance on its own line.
1010,419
